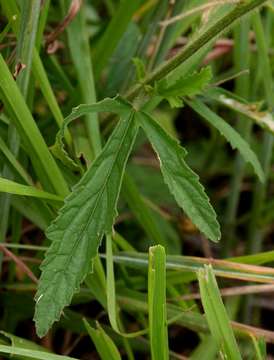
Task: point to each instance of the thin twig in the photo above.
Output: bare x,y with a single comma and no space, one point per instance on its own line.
72,12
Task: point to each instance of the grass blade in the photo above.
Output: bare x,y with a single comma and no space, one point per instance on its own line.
113,34
32,354
11,187
80,52
157,304
216,315
111,294
234,138
103,343
43,162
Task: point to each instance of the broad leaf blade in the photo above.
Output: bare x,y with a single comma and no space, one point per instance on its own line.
88,213
182,181
230,134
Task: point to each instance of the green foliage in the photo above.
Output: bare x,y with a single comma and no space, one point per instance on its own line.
186,85
88,214
157,303
56,55
103,343
216,315
183,183
236,141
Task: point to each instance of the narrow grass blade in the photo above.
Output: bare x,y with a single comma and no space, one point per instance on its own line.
136,302
11,10
43,162
234,138
111,294
103,343
216,315
32,354
80,52
260,348
26,42
113,33
14,162
11,187
157,304
23,58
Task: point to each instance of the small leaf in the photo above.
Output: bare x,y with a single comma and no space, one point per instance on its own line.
182,181
140,68
234,138
189,85
88,213
103,343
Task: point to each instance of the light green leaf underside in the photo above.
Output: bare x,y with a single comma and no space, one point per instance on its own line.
183,183
88,214
12,187
187,85
232,136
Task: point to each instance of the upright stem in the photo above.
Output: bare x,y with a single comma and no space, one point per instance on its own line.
209,35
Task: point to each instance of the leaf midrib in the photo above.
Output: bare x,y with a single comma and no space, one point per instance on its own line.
98,198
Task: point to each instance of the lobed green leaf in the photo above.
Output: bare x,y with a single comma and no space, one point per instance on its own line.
183,183
88,214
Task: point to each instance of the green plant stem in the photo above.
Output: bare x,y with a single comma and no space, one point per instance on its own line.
209,35
242,60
